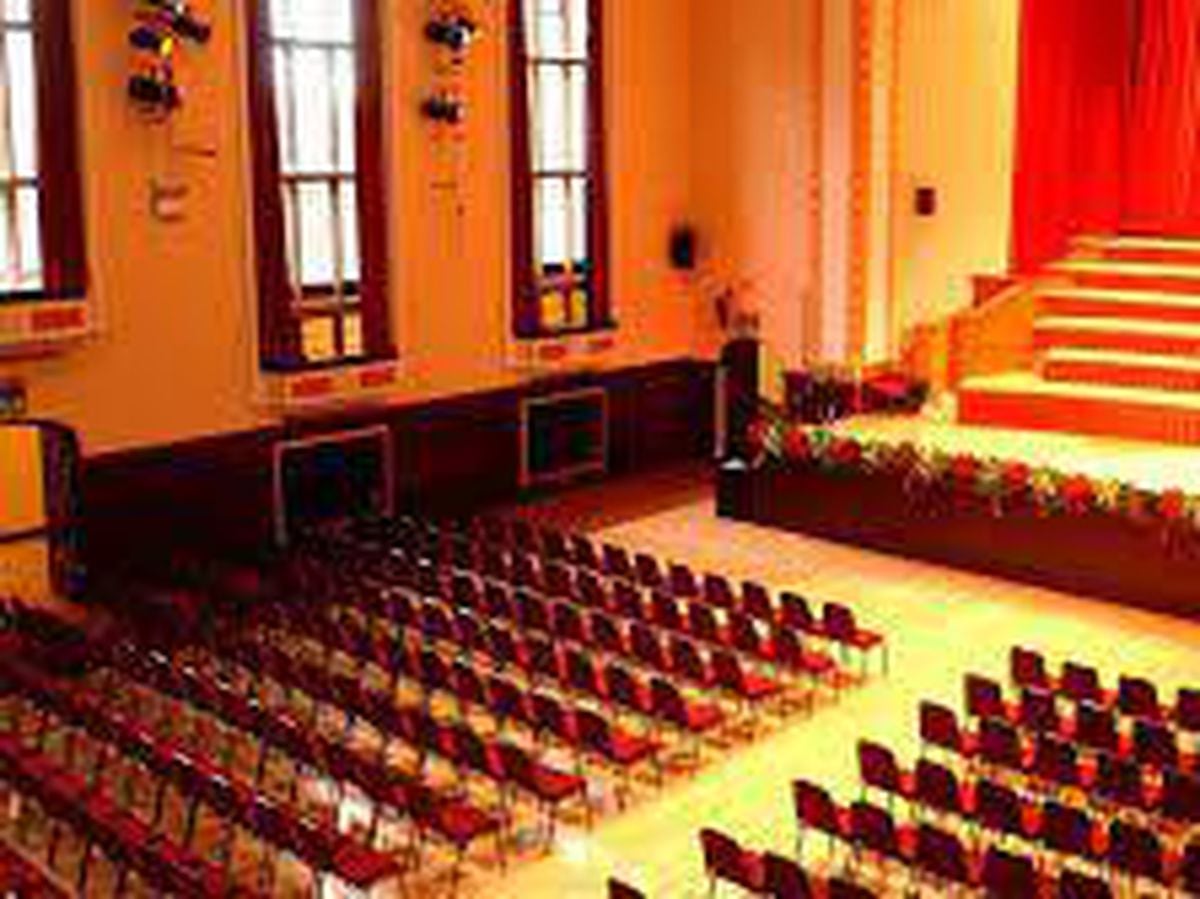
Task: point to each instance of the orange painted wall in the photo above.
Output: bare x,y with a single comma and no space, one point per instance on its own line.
956,119
175,358
754,174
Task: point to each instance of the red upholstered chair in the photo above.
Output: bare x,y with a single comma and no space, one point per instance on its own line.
1070,831
1000,746
756,601
839,625
1096,727
1081,682
874,830
628,691
879,770
691,717
647,648
1119,781
592,591
1180,800
718,592
532,612
984,698
725,859
1039,711
1155,744
606,633
795,612
1138,698
683,582
559,580
1189,869
550,786
665,611
937,788
1056,763
583,553
792,655
939,728
616,563
742,683
648,572
566,623
1136,851
941,855
998,808
628,602
582,674
784,878
687,662
1187,710
1006,875
498,602
816,810
703,624
1027,668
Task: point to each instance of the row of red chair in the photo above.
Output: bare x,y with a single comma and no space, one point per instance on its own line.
204,781
1134,697
652,697
571,670
1133,849
767,873
593,615
1091,726
507,764
456,822
130,844
20,876
555,578
942,855
999,742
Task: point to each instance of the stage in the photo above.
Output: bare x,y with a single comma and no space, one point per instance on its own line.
1103,517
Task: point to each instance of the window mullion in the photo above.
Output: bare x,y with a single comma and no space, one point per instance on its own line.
13,273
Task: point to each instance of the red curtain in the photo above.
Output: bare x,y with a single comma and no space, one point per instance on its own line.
1068,179
1162,184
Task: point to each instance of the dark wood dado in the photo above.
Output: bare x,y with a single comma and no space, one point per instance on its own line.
1095,554
452,455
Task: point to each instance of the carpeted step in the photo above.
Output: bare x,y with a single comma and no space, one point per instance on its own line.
1129,335
1112,367
1132,248
1080,302
1024,401
1120,275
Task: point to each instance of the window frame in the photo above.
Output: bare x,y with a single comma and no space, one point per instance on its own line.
64,271
279,314
527,282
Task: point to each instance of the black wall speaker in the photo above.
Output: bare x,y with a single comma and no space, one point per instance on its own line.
682,248
926,201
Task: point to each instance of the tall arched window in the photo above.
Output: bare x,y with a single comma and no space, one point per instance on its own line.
560,226
319,185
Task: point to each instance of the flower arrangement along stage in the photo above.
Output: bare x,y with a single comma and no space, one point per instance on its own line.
932,477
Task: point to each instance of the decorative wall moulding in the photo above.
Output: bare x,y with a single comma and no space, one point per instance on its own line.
564,352
43,326
323,389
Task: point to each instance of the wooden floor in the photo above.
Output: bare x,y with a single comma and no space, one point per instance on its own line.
942,624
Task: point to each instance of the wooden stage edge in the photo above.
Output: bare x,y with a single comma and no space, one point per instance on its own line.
1093,554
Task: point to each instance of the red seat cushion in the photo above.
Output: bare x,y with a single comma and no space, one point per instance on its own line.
355,864
703,716
628,748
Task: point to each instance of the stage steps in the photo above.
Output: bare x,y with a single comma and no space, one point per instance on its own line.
1117,336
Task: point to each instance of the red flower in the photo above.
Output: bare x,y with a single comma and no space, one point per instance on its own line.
1172,505
1016,477
796,445
756,437
1077,494
846,451
964,469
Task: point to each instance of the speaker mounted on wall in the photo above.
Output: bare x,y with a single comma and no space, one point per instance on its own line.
682,248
